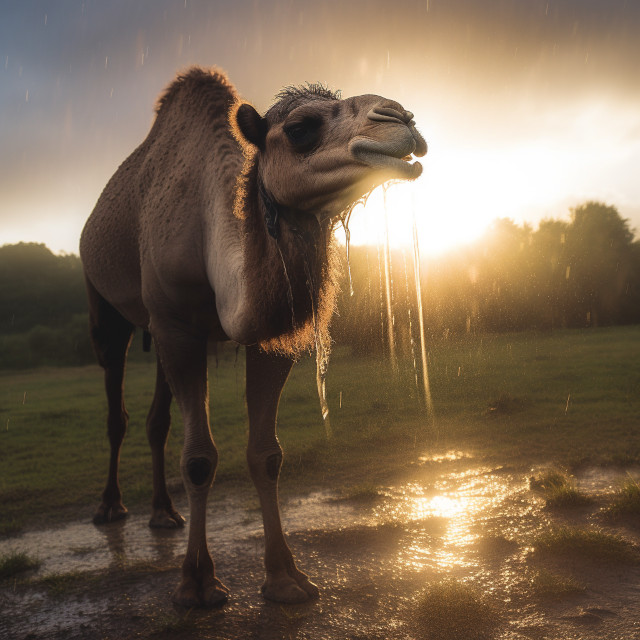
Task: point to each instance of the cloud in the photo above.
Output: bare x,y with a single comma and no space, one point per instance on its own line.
488,72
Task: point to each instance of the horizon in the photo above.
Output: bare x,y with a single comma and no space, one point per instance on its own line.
398,242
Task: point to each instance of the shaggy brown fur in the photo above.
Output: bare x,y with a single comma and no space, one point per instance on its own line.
297,311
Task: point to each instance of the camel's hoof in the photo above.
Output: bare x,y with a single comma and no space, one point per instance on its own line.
186,595
215,595
110,513
189,595
290,590
166,519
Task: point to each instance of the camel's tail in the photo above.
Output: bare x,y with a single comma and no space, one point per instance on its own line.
146,341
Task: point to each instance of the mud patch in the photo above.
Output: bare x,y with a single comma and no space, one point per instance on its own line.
449,519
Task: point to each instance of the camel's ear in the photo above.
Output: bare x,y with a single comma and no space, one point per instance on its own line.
252,125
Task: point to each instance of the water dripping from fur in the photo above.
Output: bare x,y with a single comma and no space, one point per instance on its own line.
412,341
389,289
322,354
347,237
381,299
423,347
289,290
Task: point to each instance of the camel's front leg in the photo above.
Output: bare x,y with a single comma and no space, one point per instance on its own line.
266,375
184,360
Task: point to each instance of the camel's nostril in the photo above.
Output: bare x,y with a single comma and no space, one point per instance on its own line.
387,114
390,114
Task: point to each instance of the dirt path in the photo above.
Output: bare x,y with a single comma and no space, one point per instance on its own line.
374,553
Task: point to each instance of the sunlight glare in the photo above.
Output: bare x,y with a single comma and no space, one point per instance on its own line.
445,218
467,184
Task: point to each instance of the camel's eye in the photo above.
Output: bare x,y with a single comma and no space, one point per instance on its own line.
304,135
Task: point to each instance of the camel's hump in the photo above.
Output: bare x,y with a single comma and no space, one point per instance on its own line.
197,81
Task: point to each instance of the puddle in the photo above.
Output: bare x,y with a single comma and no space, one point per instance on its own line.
450,456
605,480
81,546
463,502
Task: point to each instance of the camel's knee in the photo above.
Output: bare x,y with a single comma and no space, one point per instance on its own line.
265,465
198,471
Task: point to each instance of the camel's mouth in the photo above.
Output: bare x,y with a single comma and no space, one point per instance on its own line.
394,155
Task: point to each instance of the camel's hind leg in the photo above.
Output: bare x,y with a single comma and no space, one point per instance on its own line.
111,336
266,375
164,514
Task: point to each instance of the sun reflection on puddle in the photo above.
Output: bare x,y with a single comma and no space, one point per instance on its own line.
450,456
439,506
462,502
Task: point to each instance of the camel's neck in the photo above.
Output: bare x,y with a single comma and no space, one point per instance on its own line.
287,268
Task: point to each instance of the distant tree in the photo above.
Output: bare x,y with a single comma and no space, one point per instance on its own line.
38,287
504,276
549,264
630,306
601,264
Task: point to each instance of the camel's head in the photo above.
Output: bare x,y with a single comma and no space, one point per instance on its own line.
319,153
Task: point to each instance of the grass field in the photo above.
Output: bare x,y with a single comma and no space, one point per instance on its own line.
568,397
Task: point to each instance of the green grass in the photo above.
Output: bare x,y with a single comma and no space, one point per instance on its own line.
587,544
551,586
10,526
625,504
451,610
559,490
568,397
59,584
15,564
363,492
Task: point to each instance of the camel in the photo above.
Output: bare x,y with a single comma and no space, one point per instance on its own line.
219,227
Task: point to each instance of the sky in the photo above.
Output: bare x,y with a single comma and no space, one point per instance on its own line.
529,107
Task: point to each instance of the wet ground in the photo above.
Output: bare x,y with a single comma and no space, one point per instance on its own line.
374,551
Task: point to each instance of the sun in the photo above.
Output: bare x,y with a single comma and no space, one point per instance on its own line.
396,208
462,190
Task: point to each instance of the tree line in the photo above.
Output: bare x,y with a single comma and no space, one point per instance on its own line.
43,309
584,272
576,273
